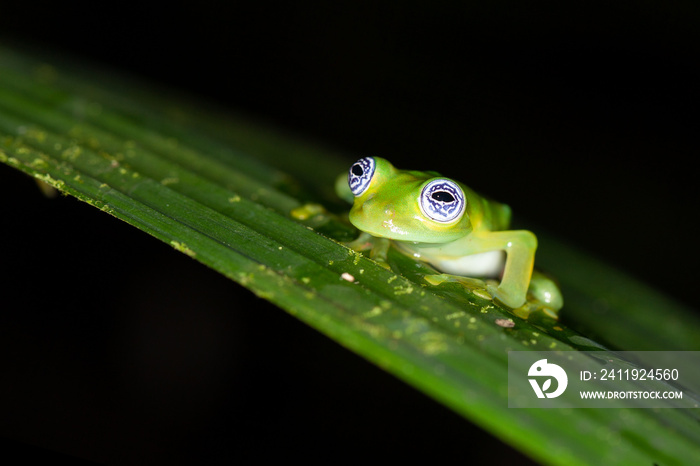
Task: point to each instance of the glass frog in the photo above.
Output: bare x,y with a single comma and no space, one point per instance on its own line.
444,223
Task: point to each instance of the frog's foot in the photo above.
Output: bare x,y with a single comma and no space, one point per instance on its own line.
383,263
532,306
378,248
542,296
363,242
475,285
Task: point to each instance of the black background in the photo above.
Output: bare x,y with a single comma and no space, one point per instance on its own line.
582,117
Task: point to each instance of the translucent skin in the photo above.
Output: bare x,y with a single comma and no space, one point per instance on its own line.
470,246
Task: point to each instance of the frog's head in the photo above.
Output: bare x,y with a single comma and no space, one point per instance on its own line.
406,205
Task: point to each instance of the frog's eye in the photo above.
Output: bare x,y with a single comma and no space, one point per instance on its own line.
442,200
360,175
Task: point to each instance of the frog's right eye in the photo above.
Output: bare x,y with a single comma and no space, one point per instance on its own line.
360,175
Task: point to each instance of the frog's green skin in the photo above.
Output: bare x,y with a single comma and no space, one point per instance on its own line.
388,206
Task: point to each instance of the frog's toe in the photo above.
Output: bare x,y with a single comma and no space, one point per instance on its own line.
549,312
383,263
529,308
362,243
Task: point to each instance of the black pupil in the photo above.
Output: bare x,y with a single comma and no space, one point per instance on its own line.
357,170
443,196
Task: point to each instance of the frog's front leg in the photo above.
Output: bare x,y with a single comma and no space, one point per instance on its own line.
378,247
520,246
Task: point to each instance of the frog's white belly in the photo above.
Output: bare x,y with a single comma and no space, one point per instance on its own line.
484,264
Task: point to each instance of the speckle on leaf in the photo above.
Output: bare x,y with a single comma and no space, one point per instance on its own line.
505,323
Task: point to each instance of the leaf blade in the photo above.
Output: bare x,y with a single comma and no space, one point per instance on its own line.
231,212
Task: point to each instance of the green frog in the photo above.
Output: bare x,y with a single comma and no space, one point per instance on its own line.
446,224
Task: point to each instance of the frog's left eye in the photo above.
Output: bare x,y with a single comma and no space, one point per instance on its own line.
360,175
442,200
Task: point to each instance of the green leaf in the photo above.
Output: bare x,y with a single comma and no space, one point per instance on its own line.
237,198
